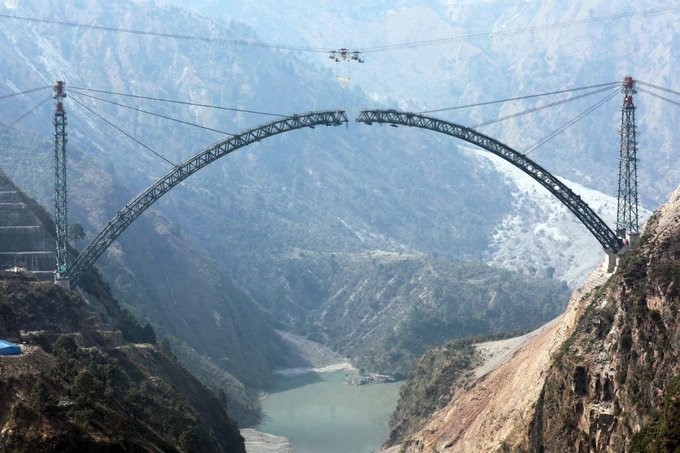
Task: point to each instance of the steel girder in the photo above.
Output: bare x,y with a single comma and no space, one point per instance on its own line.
141,202
605,236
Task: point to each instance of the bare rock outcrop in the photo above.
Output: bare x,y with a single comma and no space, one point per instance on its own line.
595,379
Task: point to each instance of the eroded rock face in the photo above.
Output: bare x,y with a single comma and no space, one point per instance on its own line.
498,410
612,374
594,379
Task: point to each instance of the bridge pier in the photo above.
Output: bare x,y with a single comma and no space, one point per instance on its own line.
611,260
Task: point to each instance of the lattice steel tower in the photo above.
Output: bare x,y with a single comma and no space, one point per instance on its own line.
627,212
60,204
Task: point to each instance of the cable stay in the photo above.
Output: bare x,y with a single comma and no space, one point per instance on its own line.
136,109
28,112
180,102
668,90
122,131
32,90
520,98
569,123
658,96
536,109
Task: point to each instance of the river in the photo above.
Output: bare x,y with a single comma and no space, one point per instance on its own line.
319,413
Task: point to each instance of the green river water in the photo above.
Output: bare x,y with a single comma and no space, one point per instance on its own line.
319,413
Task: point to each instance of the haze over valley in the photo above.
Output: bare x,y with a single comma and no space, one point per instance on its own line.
377,252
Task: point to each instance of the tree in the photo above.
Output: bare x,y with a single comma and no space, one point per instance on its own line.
39,394
65,347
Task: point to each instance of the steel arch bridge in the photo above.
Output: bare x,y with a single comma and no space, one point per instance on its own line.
607,238
144,200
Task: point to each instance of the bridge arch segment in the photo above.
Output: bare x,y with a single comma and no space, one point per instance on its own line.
604,235
144,200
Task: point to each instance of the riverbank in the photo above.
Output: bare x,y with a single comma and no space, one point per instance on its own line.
343,366
309,354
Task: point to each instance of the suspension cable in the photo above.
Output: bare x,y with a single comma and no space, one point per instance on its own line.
235,42
252,43
528,29
536,109
156,114
570,123
32,90
122,131
519,98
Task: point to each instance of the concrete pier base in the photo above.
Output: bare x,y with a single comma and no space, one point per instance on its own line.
611,261
64,282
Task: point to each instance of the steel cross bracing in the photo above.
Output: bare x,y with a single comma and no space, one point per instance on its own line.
139,204
599,229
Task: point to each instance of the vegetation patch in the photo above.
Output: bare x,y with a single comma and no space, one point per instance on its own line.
431,386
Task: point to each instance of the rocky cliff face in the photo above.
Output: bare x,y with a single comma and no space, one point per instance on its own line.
609,379
602,377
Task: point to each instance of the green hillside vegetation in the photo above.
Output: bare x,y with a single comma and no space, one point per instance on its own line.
662,432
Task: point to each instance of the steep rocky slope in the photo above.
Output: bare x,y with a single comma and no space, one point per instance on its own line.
609,379
596,379
157,273
91,377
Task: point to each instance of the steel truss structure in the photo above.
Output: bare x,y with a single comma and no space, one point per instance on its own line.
605,236
60,196
627,207
144,200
